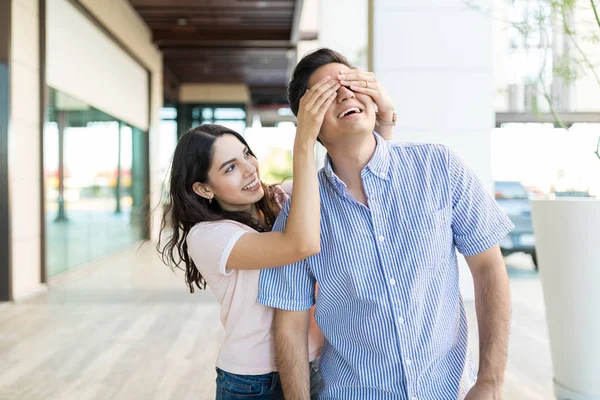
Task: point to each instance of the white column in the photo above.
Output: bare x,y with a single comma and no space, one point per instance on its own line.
343,28
435,59
23,153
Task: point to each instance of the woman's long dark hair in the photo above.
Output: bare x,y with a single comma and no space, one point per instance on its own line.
191,162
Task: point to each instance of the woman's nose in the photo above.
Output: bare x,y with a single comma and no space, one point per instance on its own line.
250,168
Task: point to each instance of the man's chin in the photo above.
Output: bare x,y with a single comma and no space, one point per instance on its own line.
357,131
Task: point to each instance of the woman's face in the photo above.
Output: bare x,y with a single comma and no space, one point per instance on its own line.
233,178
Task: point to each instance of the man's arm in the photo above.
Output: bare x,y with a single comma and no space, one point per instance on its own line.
492,304
291,346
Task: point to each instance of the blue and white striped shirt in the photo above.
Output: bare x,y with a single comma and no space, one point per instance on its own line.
389,302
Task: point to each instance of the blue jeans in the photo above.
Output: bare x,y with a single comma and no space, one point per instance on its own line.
260,387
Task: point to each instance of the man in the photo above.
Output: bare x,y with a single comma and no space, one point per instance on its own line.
392,216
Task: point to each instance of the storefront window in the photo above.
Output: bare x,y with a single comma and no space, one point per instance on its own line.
95,180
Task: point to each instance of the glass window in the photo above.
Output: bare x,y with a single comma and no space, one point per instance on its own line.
207,113
168,113
230,113
195,113
238,126
94,206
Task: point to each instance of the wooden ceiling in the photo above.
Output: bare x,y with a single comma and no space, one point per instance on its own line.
208,41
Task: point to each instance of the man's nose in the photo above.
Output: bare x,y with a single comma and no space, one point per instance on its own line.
344,93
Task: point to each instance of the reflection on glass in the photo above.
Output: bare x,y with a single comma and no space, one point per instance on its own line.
229,113
238,126
196,113
168,113
207,113
92,206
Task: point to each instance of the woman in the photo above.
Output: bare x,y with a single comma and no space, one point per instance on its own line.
222,214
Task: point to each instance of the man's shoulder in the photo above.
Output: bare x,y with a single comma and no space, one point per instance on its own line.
421,156
418,148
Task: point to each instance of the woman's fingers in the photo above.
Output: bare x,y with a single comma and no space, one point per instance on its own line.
361,81
366,83
325,106
325,96
357,75
364,90
318,95
313,93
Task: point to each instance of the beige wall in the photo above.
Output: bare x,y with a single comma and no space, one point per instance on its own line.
121,20
214,93
24,149
92,68
118,17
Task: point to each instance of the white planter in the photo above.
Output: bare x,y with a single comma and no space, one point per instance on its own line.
567,235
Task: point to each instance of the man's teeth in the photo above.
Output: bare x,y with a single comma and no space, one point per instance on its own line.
250,186
343,114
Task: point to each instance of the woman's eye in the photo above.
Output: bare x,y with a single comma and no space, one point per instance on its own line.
247,154
230,169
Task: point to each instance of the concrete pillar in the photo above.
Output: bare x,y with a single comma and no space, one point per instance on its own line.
24,150
5,248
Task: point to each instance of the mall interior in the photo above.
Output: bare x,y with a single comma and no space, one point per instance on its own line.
94,95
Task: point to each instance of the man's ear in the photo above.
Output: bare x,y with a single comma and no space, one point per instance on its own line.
202,190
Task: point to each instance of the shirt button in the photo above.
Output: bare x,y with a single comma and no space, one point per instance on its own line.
408,362
401,320
392,281
381,238
414,398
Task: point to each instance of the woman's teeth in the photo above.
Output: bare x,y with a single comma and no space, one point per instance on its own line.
251,185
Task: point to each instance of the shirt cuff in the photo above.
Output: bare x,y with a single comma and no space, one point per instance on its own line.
289,305
470,246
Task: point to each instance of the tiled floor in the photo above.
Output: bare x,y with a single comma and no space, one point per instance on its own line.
87,235
126,328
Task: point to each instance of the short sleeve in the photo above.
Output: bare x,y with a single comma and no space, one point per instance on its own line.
478,222
290,287
210,244
287,187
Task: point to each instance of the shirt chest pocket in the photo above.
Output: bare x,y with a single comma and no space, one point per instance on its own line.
428,237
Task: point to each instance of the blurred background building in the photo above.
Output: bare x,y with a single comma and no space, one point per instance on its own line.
94,95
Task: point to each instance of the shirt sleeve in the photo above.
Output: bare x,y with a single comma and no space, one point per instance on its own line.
210,244
290,287
478,222
287,187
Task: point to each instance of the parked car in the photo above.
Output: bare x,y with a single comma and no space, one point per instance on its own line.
514,200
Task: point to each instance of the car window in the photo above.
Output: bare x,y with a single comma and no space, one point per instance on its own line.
510,190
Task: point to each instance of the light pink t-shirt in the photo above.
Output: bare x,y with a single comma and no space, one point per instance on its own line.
249,345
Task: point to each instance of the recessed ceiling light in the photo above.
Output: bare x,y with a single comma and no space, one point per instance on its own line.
262,4
182,21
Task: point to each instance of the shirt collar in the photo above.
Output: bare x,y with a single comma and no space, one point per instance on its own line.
379,165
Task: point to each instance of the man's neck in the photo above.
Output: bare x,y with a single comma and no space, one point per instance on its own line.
350,157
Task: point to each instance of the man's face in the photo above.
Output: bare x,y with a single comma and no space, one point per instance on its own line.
351,114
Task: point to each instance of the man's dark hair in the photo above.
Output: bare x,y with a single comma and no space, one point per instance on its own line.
305,68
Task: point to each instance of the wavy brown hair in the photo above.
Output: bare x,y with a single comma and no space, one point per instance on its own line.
184,208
